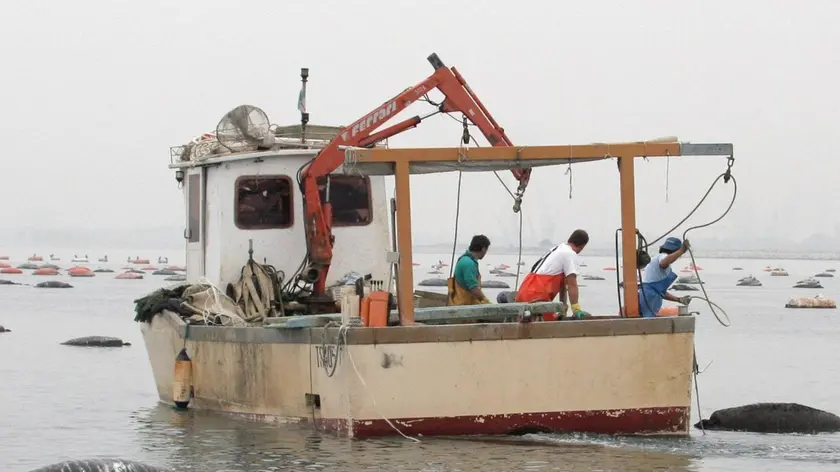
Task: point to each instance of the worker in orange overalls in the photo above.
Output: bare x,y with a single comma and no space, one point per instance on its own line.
554,274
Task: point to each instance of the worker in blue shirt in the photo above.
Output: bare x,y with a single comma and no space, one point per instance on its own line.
465,283
658,275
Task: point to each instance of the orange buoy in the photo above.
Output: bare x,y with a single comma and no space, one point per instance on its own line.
182,379
10,270
672,310
45,271
80,272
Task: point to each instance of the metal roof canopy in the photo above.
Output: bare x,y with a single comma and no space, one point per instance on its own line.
484,159
403,162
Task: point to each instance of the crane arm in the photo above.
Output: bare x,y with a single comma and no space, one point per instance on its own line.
458,98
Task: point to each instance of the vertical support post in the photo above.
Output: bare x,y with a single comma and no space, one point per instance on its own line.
626,168
405,285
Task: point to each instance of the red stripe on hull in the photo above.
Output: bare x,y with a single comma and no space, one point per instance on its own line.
648,421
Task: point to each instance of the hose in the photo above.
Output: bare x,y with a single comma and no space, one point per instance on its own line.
727,324
726,176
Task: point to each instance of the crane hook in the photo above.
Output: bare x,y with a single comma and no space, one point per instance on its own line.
465,137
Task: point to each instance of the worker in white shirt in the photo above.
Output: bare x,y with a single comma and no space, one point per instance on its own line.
555,274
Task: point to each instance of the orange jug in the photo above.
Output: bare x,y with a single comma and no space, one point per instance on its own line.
364,312
379,308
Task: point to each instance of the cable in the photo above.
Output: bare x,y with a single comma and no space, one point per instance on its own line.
457,218
341,338
618,276
705,296
727,176
716,305
519,256
696,371
504,185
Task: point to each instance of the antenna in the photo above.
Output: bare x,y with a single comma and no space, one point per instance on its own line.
304,116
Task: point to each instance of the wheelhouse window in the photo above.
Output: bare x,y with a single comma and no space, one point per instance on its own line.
263,202
350,198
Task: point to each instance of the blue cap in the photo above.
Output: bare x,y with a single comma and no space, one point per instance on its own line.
672,244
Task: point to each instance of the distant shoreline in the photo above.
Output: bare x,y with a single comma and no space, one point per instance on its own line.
720,254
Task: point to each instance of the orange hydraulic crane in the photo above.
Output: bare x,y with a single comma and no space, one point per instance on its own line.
318,215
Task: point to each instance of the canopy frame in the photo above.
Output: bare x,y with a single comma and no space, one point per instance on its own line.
402,163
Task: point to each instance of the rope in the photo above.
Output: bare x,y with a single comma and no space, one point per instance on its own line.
717,306
696,371
207,312
667,177
569,172
342,337
458,213
726,176
256,291
519,255
457,219
618,276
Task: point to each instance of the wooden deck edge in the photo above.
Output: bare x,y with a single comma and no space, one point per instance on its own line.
437,333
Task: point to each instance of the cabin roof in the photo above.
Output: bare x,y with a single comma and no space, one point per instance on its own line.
244,156
289,141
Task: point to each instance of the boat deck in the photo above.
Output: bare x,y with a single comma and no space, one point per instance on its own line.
594,327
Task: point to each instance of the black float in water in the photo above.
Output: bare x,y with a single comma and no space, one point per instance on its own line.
100,465
772,418
96,341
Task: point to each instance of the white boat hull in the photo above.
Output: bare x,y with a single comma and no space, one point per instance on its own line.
612,376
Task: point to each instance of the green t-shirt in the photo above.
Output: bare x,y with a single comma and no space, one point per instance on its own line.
466,271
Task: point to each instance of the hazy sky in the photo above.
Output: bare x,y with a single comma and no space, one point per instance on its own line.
95,93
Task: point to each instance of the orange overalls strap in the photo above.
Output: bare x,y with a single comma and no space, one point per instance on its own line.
541,288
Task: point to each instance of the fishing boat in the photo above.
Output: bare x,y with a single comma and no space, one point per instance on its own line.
810,282
306,350
689,279
79,259
499,269
749,281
